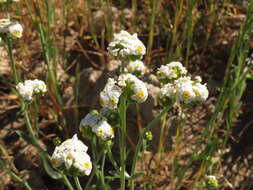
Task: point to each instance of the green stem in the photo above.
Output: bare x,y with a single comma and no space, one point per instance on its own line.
78,185
139,144
122,113
102,170
12,64
67,183
110,156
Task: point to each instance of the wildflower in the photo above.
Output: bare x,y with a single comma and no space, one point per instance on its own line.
109,97
71,156
125,44
30,87
211,182
171,71
98,125
39,86
136,67
200,91
26,91
15,29
167,91
189,91
138,88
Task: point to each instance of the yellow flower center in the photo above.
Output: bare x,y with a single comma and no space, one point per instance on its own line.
139,49
101,132
86,165
141,94
131,68
186,95
197,93
69,157
112,130
101,101
53,162
16,33
113,101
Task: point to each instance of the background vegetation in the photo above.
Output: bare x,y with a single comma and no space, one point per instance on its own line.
64,43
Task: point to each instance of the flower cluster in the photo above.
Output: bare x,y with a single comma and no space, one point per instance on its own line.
109,97
136,67
31,87
98,125
126,45
13,29
171,71
181,87
71,157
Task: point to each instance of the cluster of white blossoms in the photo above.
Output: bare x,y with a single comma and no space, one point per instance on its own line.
180,86
31,87
138,87
125,44
13,29
171,71
136,67
109,97
71,156
98,125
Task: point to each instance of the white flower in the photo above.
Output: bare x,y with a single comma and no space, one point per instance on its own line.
92,119
167,91
15,29
103,130
72,153
26,91
200,91
171,71
136,66
99,125
109,97
189,91
30,87
140,92
39,86
198,79
125,44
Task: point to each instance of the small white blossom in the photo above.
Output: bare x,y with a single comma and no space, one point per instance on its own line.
109,97
99,125
167,91
72,153
140,92
31,87
15,30
26,91
125,44
189,91
136,67
171,71
103,130
39,86
200,91
198,79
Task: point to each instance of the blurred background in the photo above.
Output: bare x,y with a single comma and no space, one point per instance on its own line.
64,43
